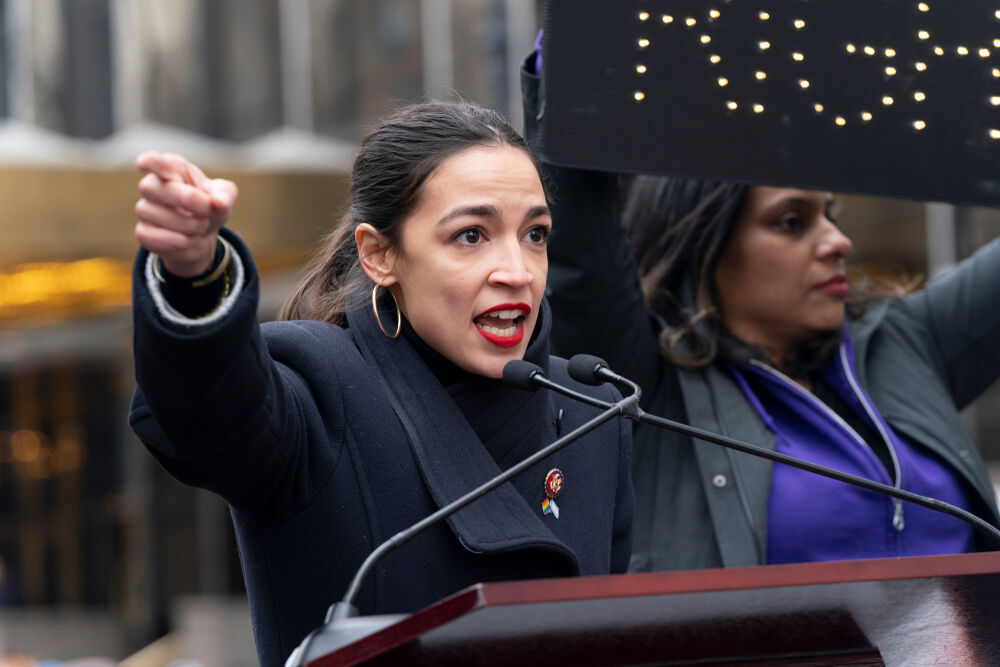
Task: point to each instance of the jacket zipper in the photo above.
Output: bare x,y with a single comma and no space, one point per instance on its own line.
898,522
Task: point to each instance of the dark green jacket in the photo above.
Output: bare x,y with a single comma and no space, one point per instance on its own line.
921,359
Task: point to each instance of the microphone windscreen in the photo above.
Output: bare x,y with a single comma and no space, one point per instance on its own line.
583,368
518,373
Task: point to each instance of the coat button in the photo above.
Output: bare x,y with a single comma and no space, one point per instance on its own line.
720,481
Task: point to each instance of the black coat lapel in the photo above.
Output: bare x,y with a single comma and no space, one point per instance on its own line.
451,458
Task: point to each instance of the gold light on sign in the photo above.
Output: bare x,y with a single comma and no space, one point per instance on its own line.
914,53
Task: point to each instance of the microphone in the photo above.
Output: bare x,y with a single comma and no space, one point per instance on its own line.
521,374
343,625
588,369
529,377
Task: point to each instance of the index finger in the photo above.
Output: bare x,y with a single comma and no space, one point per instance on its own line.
172,167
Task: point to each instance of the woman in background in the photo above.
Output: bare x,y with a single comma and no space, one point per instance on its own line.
727,303
381,403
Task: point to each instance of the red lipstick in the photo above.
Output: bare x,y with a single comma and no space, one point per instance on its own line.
503,325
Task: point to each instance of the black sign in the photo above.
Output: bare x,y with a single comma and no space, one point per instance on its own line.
883,97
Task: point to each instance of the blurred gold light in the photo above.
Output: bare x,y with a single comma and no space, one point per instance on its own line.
890,53
26,445
723,81
938,51
887,100
923,6
798,57
994,134
919,96
705,39
760,75
818,107
962,51
758,108
714,13
641,69
639,96
763,16
714,58
920,67
667,18
919,125
851,48
803,83
865,116
731,105
840,120
890,71
996,43
643,16
799,24
689,21
643,43
764,46
923,34
995,100
984,53
50,290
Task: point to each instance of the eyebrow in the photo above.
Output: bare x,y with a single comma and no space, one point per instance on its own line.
490,211
798,201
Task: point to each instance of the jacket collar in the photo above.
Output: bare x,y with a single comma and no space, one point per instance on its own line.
451,458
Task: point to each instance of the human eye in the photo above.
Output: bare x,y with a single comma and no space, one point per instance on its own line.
790,223
469,236
539,234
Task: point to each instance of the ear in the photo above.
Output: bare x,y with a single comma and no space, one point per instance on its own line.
377,260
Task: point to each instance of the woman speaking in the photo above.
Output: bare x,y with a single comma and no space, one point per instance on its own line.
381,401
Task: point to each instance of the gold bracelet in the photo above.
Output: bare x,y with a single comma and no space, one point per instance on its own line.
156,269
219,270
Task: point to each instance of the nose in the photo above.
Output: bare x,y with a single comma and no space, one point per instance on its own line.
509,268
834,243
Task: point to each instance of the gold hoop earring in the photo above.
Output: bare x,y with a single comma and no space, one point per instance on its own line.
399,313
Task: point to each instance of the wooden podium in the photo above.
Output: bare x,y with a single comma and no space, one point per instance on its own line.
926,610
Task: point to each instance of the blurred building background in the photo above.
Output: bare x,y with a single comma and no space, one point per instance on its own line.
100,552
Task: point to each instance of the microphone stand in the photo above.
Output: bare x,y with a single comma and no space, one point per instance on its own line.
343,625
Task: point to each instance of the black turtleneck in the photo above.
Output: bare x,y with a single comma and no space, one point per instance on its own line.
488,404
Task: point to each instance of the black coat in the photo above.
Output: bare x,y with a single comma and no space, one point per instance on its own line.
300,426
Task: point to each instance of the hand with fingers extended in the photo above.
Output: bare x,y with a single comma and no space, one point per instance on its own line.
180,212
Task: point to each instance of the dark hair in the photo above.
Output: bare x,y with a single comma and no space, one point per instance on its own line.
394,161
677,229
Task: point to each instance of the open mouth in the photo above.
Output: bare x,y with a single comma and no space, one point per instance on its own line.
503,325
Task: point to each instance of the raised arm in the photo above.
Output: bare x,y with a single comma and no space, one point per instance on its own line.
593,285
211,404
956,324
